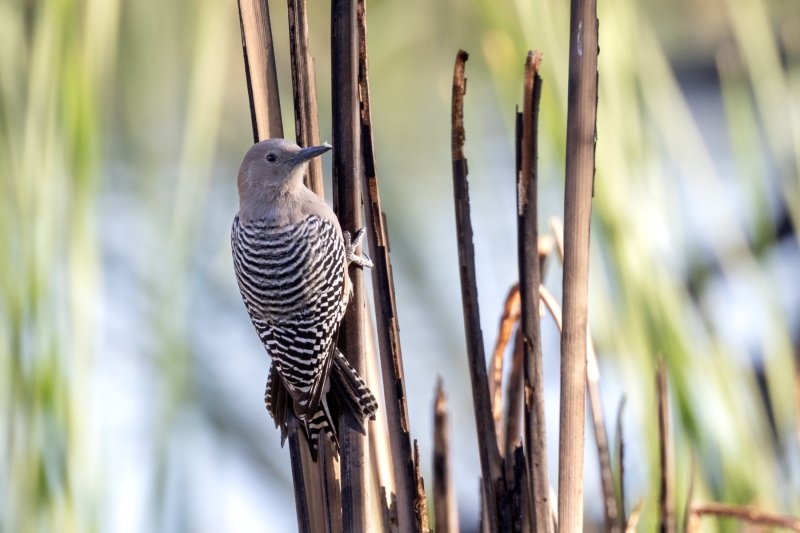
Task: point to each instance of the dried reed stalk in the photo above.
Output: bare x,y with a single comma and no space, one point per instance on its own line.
529,281
621,462
260,71
304,91
747,514
633,521
514,397
444,500
492,474
396,409
579,183
347,206
596,408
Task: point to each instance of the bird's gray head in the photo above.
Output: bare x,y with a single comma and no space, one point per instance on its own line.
272,168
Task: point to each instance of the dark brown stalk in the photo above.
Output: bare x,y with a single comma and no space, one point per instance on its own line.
347,206
529,281
443,493
666,493
621,463
388,329
491,471
295,452
510,316
578,190
596,408
421,499
262,76
514,394
304,91
747,514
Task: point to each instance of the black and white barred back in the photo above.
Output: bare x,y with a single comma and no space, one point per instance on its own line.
292,282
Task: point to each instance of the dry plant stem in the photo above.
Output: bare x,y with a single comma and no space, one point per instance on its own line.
304,91
529,280
601,438
633,521
443,493
579,183
596,406
388,330
262,77
510,316
747,514
301,503
422,500
379,449
514,394
666,492
621,462
347,206
491,471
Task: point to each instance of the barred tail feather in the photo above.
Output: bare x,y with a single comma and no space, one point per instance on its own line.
321,423
351,389
276,398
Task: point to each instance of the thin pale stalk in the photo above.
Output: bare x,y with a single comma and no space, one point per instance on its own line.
379,450
633,521
422,500
394,390
304,92
491,472
347,206
443,494
746,514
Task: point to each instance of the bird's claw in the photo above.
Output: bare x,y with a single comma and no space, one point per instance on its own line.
350,245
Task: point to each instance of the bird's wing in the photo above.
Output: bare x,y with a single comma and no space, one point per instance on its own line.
292,280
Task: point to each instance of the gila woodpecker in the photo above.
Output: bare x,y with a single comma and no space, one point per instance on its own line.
291,259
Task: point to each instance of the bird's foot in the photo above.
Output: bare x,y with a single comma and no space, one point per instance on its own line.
350,245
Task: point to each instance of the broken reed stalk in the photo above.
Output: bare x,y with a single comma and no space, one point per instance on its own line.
311,497
260,71
746,514
388,329
529,281
444,501
596,411
510,316
347,206
666,493
579,183
491,471
304,91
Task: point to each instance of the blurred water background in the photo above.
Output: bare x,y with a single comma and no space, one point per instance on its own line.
131,380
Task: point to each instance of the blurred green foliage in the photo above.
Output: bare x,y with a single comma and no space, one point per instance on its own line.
145,101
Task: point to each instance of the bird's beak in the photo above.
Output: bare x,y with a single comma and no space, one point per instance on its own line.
307,154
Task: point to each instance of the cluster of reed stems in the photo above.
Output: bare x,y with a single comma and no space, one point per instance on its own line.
377,476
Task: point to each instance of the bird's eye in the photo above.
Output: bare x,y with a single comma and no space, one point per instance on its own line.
272,158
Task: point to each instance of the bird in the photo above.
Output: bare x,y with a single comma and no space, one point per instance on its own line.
291,260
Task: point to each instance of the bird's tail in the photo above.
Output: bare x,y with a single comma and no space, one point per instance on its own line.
347,391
